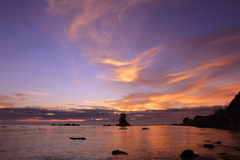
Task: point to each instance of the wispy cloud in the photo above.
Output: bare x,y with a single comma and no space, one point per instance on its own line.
128,71
25,95
226,39
37,93
20,95
162,62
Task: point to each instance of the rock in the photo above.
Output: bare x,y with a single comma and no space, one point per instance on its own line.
188,154
206,141
208,146
117,152
237,149
218,142
145,128
235,103
222,153
123,121
80,138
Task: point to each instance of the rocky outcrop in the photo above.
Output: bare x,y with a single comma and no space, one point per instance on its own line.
117,152
188,154
235,103
122,120
228,118
80,138
218,142
208,146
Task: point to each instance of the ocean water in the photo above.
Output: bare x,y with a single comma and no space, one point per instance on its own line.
27,142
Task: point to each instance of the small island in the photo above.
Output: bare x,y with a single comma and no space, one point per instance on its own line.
122,120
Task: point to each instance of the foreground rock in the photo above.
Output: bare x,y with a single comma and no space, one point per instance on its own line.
117,152
80,138
188,154
145,128
208,146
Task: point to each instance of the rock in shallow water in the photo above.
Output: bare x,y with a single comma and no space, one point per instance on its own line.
188,154
218,142
117,152
80,138
208,146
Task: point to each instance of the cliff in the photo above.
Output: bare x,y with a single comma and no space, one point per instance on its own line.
225,119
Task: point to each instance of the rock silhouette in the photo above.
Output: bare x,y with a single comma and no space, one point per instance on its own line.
188,154
208,146
235,103
122,120
80,138
218,142
117,152
228,118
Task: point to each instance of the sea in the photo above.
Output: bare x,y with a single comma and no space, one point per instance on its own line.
42,142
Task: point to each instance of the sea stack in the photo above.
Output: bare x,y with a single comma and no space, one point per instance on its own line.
122,120
235,103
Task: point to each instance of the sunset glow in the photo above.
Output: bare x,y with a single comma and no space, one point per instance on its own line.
128,55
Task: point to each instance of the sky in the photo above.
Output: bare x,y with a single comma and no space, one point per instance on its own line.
87,61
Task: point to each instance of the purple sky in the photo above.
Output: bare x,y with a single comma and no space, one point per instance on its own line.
78,60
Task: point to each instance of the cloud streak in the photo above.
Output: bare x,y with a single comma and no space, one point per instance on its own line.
164,56
128,71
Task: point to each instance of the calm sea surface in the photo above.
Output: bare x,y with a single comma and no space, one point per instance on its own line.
159,142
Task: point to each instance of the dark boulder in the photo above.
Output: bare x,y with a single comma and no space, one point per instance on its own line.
222,153
117,152
208,146
145,128
80,138
188,154
218,142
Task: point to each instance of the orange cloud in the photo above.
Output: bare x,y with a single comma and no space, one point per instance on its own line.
198,70
37,93
128,71
226,39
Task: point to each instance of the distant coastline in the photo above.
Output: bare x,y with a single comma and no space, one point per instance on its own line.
227,119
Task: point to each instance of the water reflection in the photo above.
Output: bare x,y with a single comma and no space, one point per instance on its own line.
159,142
